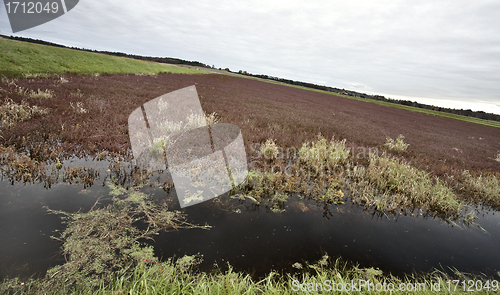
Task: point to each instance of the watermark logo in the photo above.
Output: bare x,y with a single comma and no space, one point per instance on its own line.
205,160
25,15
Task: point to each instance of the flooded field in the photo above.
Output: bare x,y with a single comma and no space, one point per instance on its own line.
253,239
321,184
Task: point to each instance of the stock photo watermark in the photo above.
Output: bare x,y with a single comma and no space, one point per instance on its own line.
409,287
172,132
25,15
307,162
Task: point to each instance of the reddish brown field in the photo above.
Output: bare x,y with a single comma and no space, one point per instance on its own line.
262,110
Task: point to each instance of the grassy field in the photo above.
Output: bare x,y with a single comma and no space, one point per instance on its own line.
80,113
489,123
22,58
18,58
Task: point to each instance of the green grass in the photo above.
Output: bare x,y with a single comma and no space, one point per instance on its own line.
406,187
486,187
172,278
22,59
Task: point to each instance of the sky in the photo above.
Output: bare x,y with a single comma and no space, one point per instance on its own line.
438,52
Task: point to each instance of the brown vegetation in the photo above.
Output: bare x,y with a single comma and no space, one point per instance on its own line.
288,115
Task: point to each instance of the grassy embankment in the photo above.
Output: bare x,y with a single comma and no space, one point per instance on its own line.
18,59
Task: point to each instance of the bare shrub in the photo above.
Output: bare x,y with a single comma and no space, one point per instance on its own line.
397,145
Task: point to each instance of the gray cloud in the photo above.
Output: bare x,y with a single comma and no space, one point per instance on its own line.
437,50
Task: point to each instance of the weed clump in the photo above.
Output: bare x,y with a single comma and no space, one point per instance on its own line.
397,145
212,118
78,107
11,112
272,190
408,187
321,152
109,241
269,149
487,187
41,94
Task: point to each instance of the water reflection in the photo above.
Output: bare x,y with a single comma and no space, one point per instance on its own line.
254,239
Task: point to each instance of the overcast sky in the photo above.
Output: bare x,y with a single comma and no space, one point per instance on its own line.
445,53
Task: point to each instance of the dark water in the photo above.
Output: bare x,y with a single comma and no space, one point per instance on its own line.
255,240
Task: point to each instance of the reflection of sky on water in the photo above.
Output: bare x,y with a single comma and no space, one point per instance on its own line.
254,240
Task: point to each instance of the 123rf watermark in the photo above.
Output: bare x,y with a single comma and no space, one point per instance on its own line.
370,286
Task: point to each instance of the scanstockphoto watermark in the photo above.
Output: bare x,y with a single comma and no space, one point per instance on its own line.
365,286
204,160
296,162
25,15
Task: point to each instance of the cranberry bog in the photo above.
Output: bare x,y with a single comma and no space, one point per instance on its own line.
64,139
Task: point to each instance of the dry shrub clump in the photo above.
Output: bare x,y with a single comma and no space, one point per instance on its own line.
269,149
410,187
212,118
39,94
397,145
321,152
78,107
11,112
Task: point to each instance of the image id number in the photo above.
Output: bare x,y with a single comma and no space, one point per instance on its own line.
32,7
